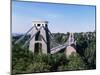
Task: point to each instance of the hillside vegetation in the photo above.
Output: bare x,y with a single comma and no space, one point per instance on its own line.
24,61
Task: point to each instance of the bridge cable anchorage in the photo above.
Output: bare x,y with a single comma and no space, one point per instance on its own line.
24,35
31,38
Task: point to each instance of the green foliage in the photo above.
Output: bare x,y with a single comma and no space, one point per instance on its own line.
90,56
61,37
38,67
57,60
76,63
24,61
86,47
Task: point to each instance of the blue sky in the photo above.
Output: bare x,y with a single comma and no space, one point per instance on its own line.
62,17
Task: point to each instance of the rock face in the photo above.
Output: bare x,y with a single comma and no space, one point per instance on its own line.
69,50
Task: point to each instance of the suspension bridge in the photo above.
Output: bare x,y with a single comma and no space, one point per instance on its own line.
45,40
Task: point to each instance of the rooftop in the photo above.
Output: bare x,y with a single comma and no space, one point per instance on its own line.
39,21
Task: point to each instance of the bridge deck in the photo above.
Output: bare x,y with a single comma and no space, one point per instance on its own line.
58,48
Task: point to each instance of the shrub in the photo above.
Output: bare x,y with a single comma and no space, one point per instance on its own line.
38,67
76,63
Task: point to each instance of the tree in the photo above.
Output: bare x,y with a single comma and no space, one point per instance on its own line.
90,56
76,63
38,67
86,47
24,61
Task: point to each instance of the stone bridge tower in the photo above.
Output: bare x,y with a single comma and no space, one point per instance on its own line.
40,43
71,45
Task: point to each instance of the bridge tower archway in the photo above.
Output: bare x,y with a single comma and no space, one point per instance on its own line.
38,48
